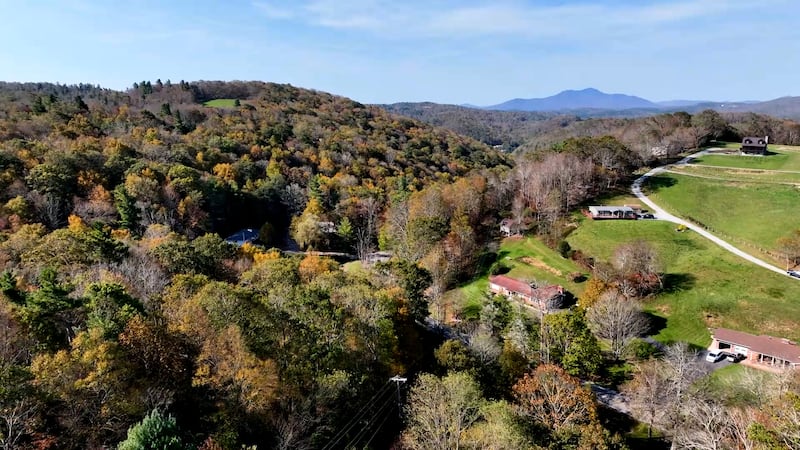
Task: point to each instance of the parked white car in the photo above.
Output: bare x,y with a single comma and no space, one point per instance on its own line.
714,356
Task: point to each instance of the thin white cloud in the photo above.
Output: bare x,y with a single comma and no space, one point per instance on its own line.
274,11
503,18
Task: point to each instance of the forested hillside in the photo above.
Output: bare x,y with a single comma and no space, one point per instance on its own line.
120,297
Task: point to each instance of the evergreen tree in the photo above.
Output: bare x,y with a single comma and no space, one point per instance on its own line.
154,432
126,208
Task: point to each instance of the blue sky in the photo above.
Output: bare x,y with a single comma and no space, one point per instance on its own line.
450,51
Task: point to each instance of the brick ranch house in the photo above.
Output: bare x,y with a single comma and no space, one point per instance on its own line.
544,298
761,350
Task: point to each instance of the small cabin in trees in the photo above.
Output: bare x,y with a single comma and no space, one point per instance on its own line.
543,298
246,235
612,212
754,145
507,227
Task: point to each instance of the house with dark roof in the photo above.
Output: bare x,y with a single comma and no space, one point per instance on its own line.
759,351
754,145
543,298
612,212
507,227
246,235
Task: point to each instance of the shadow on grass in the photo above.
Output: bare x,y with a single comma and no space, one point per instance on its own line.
484,265
634,432
657,323
653,184
678,282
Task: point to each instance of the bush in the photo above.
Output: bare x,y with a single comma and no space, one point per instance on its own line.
499,268
642,350
564,249
576,277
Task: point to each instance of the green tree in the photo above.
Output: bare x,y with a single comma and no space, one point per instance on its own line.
127,210
155,432
440,410
49,312
567,340
454,356
110,308
414,280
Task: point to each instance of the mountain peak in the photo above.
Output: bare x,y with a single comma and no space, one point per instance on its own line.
588,98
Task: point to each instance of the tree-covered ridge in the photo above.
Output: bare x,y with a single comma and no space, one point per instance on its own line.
98,153
512,130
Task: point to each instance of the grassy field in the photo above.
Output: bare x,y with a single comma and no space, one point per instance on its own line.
746,175
545,266
782,157
758,214
705,286
221,103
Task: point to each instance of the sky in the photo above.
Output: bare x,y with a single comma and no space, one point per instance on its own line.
480,52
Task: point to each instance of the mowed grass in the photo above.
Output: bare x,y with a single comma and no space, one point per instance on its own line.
781,157
705,286
747,175
550,269
221,103
754,213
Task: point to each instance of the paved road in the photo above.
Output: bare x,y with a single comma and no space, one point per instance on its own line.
661,214
611,399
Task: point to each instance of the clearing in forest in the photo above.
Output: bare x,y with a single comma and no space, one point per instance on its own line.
221,103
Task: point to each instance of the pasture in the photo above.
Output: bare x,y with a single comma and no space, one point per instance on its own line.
755,214
705,286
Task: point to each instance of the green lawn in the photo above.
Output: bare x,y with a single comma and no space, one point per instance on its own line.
221,103
552,269
757,214
748,175
782,158
705,285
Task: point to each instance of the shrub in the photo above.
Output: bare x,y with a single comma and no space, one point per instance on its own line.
564,249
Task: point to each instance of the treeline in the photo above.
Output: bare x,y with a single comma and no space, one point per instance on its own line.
655,133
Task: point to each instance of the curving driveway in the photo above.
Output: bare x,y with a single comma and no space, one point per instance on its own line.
661,214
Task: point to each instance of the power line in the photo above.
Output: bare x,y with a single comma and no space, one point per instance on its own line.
359,416
384,410
377,430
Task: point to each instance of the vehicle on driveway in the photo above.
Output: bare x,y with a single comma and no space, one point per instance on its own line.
647,216
734,357
714,356
793,273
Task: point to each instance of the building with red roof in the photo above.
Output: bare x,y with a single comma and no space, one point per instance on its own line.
543,298
758,350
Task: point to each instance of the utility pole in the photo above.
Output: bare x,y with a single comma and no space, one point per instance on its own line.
398,380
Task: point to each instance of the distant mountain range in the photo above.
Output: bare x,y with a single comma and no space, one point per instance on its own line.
592,102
